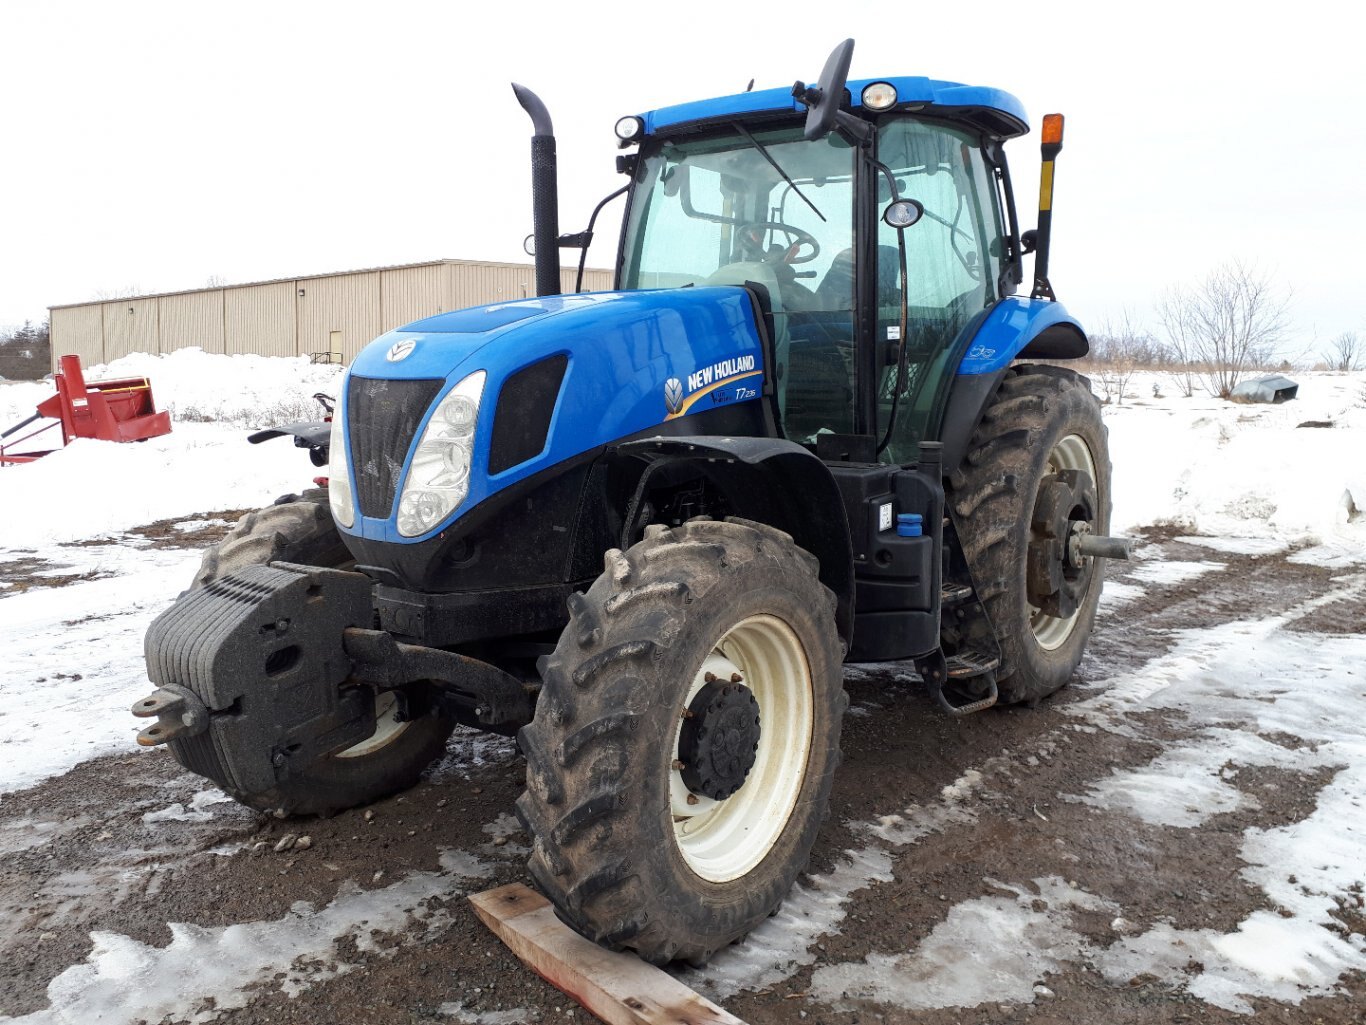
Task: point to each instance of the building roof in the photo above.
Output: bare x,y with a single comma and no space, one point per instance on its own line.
312,277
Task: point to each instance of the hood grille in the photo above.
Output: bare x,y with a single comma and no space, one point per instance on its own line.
382,417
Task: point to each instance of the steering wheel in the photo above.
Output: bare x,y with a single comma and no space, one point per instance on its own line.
752,237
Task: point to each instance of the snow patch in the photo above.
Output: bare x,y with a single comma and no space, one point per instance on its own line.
1239,545
196,812
1169,573
990,949
458,1011
207,970
777,950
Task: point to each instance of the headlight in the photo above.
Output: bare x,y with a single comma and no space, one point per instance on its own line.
439,478
339,470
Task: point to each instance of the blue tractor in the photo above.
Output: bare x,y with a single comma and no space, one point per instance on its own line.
642,530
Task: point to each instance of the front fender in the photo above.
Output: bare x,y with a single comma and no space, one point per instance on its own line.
777,482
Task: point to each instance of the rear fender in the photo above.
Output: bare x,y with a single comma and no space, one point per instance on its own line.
777,482
1015,328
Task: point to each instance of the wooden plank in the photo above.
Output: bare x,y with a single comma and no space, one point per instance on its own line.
619,988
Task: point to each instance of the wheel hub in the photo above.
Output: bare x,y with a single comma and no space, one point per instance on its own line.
1064,510
719,739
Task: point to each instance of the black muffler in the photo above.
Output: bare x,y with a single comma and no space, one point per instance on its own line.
545,204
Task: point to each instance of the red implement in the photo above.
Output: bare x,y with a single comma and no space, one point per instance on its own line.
119,410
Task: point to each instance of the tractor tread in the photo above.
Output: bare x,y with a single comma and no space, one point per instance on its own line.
597,852
991,496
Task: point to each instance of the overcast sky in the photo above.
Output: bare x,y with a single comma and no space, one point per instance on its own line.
154,146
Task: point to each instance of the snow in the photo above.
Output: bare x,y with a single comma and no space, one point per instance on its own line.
987,950
205,971
1237,480
1232,470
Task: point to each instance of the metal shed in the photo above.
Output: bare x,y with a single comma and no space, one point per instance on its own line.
326,316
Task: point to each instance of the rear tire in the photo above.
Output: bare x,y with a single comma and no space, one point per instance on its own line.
302,531
1042,419
632,853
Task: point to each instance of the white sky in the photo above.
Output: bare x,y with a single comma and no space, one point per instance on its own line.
153,145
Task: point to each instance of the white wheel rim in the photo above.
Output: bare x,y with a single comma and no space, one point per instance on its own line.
724,840
388,728
1070,453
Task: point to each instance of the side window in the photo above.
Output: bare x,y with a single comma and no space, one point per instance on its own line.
953,259
949,251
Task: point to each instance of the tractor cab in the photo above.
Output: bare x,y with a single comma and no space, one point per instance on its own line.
863,311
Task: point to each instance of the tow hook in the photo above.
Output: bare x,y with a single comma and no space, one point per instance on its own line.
178,712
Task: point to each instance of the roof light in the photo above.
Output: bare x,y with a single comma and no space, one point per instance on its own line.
1052,129
630,128
879,96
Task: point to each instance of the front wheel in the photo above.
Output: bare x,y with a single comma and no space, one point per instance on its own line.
680,761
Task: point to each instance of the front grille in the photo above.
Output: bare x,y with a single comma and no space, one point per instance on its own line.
381,418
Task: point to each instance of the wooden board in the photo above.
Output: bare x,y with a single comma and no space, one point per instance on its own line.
619,988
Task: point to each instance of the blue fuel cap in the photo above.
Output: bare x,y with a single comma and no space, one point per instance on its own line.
910,524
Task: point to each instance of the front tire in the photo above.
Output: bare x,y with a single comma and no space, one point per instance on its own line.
1042,429
393,757
664,819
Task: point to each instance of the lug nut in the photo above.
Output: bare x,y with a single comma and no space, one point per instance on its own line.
679,765
692,798
736,678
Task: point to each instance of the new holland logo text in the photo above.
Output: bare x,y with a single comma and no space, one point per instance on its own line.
720,371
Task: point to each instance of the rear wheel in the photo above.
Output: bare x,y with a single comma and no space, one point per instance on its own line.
1036,477
393,757
680,761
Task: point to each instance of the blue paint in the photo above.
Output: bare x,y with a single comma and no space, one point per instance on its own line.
622,347
943,96
1012,324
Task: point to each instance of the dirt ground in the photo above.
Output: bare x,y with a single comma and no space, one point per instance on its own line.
121,847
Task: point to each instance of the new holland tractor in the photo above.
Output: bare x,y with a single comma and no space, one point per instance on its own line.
642,530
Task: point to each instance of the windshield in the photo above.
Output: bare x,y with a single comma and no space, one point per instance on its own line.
716,211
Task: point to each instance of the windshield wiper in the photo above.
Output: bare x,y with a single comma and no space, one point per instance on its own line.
767,156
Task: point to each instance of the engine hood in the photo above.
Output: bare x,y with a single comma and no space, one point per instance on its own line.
631,361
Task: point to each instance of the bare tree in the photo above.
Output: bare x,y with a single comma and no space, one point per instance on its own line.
1344,351
1228,324
1118,352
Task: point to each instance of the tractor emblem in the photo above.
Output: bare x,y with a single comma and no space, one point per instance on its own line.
401,350
673,394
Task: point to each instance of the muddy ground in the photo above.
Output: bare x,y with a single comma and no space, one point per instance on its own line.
122,847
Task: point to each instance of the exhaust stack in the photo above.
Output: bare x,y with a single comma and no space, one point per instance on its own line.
545,204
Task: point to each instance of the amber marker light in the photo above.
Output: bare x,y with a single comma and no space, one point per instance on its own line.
1052,129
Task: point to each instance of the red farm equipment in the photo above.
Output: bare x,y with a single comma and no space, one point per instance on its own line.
115,410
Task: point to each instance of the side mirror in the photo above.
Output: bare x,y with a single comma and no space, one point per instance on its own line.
903,213
824,99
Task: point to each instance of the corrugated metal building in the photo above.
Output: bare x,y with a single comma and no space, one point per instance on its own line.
335,314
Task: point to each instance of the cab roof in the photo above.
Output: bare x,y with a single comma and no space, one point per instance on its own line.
994,111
